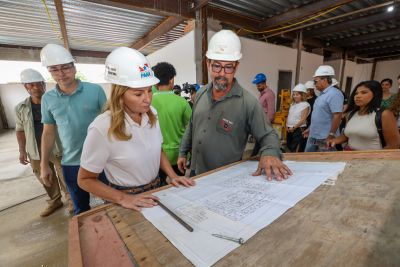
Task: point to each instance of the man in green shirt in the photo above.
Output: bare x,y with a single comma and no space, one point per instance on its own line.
173,112
224,114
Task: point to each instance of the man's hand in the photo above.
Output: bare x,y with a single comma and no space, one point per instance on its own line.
23,158
182,180
273,167
137,202
182,164
46,175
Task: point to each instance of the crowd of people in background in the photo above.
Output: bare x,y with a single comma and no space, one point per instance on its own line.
146,135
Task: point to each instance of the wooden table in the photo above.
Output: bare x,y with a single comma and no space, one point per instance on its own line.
356,222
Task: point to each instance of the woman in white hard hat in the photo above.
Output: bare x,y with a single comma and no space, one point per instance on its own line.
297,118
126,139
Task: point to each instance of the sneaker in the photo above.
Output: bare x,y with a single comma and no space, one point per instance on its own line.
50,209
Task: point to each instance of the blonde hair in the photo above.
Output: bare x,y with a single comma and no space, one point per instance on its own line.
303,96
116,107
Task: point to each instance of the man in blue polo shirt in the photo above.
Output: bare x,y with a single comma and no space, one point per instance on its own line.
69,109
327,111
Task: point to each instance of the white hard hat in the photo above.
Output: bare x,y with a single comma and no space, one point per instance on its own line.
31,76
300,88
128,67
224,45
334,82
310,85
53,54
324,70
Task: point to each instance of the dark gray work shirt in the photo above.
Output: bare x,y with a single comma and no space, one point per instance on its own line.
218,130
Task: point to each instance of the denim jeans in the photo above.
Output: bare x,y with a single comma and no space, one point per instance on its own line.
80,197
317,145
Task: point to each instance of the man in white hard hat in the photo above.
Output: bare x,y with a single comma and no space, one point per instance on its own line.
327,111
224,114
29,128
70,107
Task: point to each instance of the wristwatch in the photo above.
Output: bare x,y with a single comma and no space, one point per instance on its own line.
332,134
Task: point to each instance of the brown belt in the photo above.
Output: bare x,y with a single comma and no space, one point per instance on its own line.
141,188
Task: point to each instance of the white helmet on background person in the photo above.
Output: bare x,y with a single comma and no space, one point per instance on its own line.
31,76
335,82
300,88
53,54
324,70
128,67
310,85
224,45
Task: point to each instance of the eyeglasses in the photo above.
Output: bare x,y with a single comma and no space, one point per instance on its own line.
63,69
228,69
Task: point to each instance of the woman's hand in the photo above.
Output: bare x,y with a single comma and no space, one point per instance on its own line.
331,142
182,180
137,202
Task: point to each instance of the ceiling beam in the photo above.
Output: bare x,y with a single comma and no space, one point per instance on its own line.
386,53
197,4
352,41
61,21
234,19
352,23
165,26
311,42
379,45
176,8
301,12
74,52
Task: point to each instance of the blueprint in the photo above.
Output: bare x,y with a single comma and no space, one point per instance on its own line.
233,203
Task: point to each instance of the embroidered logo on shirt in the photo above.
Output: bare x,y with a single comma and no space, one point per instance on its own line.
226,124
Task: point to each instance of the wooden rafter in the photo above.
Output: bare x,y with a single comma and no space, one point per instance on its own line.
301,12
197,4
61,20
165,26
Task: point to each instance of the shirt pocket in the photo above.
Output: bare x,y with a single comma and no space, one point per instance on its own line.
225,125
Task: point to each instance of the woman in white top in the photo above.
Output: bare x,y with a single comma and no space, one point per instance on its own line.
361,132
126,139
297,119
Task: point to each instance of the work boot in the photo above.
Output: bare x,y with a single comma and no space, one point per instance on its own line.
51,208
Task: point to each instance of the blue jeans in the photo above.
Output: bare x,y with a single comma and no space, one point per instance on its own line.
317,145
80,198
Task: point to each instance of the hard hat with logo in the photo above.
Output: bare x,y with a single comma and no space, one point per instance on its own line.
259,78
335,82
224,45
310,85
300,88
53,54
324,70
128,67
31,76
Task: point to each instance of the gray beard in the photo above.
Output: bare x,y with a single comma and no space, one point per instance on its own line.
220,83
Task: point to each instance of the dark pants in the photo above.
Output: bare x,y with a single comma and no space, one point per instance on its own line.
163,175
80,198
295,141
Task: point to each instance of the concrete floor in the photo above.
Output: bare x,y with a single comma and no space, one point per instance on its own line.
26,238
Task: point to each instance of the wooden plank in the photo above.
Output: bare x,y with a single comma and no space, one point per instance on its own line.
61,21
164,27
101,244
74,246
